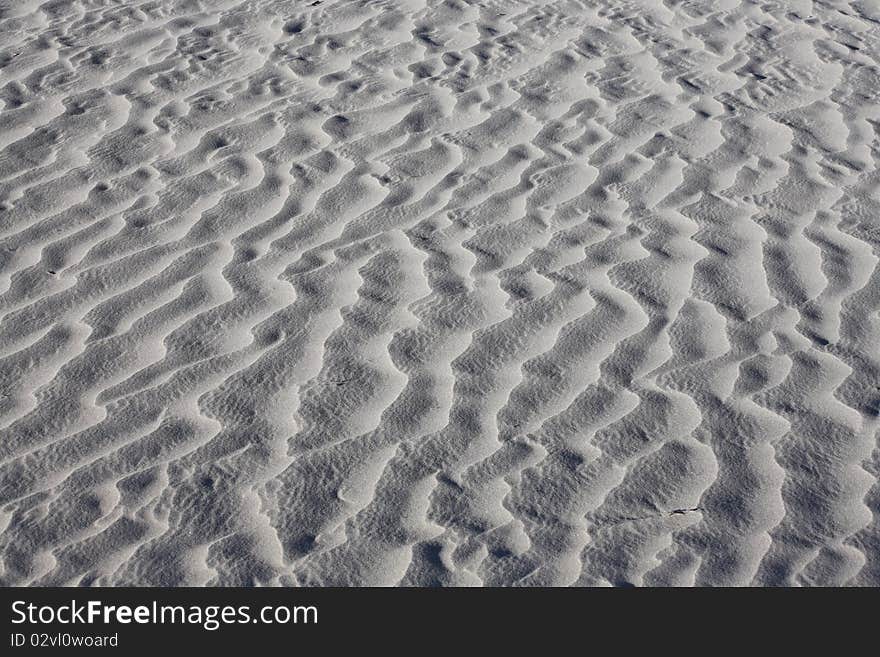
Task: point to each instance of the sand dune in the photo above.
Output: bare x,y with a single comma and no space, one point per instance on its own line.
374,292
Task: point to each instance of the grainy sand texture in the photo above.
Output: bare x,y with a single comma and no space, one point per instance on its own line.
446,292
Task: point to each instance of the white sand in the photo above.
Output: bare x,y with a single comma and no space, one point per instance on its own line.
456,293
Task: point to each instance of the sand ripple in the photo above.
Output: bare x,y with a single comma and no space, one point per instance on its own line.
439,293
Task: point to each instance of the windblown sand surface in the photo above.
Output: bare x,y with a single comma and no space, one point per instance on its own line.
453,292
